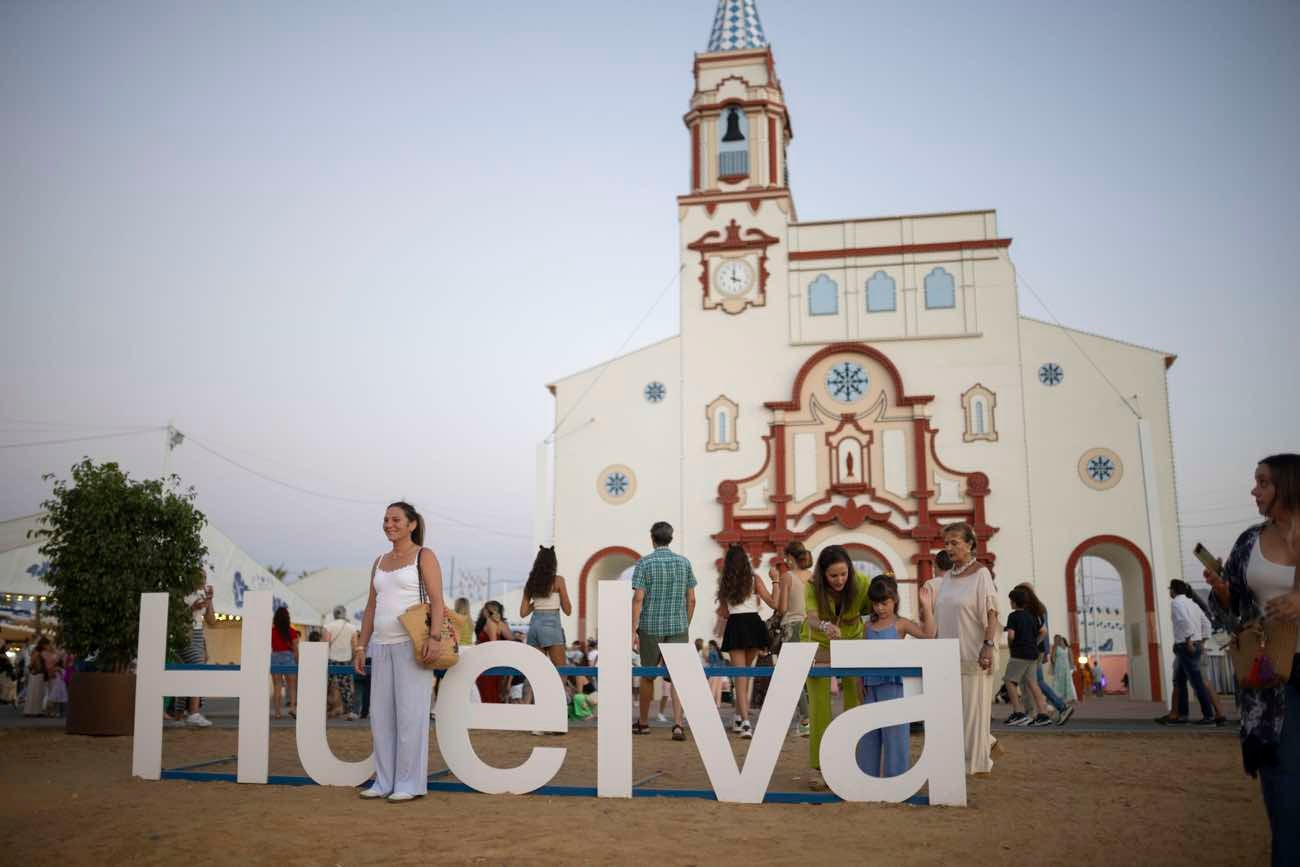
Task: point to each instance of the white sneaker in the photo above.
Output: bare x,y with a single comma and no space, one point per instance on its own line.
372,792
661,718
736,724
745,730
398,797
349,717
197,720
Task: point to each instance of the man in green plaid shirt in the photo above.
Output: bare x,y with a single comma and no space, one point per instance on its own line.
662,605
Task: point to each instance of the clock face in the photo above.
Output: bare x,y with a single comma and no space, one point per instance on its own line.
734,277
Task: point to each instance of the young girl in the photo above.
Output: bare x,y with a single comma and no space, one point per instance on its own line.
745,635
1024,628
884,752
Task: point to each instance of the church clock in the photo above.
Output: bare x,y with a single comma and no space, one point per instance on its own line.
733,267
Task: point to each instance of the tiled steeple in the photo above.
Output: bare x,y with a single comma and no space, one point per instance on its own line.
736,27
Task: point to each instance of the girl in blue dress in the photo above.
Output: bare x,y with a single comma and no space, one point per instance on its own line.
885,752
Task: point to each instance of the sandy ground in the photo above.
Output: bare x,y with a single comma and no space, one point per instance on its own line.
1052,799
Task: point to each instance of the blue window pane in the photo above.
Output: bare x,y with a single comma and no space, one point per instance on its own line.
940,290
722,426
979,417
823,297
881,293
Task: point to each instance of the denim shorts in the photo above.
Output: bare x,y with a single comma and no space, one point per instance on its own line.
545,630
282,657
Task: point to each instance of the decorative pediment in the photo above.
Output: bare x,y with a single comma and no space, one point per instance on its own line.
748,249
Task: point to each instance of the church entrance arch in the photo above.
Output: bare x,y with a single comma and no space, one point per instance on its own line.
1138,588
607,564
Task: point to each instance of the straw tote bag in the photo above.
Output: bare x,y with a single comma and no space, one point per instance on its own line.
1262,652
416,622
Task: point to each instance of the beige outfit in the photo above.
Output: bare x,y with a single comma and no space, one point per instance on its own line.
961,607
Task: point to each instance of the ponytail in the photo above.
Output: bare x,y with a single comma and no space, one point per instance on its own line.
417,533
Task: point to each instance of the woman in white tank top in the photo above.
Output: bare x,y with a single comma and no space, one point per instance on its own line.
545,596
1262,576
401,689
744,636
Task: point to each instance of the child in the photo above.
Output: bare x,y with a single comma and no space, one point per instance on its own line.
584,703
1023,631
57,695
885,752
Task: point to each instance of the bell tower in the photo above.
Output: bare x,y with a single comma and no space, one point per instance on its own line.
738,123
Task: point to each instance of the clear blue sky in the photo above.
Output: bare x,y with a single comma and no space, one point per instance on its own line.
347,245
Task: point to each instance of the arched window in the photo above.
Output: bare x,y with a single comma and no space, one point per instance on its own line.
722,414
881,293
733,144
979,406
823,297
940,290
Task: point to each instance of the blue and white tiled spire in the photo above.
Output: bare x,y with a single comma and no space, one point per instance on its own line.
736,27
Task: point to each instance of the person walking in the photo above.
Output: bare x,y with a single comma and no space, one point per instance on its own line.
1262,577
1189,644
1024,629
343,637
1063,673
744,635
1202,629
835,602
966,609
401,685
663,603
1063,708
545,596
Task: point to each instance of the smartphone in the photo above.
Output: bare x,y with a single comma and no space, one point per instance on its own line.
1214,564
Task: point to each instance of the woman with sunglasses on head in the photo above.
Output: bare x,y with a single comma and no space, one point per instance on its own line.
1262,577
401,688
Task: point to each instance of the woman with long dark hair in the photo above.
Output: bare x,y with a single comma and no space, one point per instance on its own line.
835,601
745,634
284,651
401,687
545,596
1262,577
1063,708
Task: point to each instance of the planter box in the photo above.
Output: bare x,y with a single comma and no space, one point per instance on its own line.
101,704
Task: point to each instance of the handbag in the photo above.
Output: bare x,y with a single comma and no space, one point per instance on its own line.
1263,650
416,621
775,633
1262,653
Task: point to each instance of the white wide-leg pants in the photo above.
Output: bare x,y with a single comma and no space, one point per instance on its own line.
400,694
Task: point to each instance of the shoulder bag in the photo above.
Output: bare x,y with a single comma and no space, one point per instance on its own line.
416,621
1263,651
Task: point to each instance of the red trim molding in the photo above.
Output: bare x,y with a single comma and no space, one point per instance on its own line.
712,242
582,581
1148,598
771,151
941,247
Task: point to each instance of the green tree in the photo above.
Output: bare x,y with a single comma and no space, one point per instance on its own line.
278,572
108,539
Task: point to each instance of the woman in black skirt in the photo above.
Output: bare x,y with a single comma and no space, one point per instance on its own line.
745,634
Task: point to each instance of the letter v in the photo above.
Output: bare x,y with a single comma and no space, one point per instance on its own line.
747,786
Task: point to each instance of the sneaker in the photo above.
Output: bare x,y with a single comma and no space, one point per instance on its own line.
678,734
398,797
661,718
1041,720
197,720
372,793
736,724
1017,719
349,717
745,730
804,730
1064,716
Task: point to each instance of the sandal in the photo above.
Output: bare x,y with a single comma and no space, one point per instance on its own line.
638,729
678,733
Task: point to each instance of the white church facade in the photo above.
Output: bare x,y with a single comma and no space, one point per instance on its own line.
861,382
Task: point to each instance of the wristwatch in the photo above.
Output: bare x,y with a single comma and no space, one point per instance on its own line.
988,643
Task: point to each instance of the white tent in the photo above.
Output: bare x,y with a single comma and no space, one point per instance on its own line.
231,571
325,588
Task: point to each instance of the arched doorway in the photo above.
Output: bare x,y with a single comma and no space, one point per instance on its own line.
606,564
1139,604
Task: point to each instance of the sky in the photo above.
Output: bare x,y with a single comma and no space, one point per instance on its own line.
343,247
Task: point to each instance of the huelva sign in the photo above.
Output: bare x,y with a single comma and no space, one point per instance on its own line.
941,764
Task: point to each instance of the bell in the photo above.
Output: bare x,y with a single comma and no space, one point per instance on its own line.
733,132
